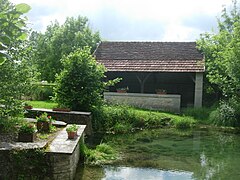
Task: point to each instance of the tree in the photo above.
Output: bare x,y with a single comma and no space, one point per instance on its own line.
12,27
80,85
222,54
14,74
60,40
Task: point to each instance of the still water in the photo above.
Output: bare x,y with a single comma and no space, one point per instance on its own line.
170,155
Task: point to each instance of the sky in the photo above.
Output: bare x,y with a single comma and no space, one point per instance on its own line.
132,20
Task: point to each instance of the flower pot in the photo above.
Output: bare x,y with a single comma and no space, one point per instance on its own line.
43,126
28,107
121,91
27,137
72,135
61,109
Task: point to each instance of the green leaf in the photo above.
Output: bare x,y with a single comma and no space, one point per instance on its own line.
23,36
23,8
2,58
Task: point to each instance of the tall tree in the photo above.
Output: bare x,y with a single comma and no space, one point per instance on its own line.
14,74
60,40
222,52
12,27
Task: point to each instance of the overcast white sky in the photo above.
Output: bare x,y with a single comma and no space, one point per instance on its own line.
146,20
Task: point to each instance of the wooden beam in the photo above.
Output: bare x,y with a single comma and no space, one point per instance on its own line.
142,81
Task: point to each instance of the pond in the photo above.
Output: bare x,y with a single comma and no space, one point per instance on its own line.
169,155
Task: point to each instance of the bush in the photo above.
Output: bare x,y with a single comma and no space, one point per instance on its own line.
103,154
42,91
226,114
80,85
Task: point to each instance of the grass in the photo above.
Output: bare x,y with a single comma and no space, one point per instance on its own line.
42,104
124,119
200,114
103,154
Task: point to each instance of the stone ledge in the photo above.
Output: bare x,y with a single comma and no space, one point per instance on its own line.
60,112
4,146
61,143
55,123
143,95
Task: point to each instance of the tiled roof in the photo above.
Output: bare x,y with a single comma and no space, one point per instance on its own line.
150,56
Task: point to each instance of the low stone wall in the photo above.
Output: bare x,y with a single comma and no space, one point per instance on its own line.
62,156
72,117
65,154
165,102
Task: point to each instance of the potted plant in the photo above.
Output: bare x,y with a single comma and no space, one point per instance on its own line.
27,133
122,90
161,91
72,131
44,122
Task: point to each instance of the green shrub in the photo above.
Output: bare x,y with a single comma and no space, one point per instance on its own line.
101,155
225,114
183,123
42,91
105,148
122,128
79,86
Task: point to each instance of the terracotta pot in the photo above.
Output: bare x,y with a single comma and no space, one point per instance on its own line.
121,91
43,126
28,107
27,137
61,109
72,135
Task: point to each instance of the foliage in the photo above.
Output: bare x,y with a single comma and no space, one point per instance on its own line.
184,123
12,26
28,128
72,128
103,154
60,40
121,128
80,85
41,91
44,118
222,53
9,124
201,114
14,73
227,114
122,119
29,164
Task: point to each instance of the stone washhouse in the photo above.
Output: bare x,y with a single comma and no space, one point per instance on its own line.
176,68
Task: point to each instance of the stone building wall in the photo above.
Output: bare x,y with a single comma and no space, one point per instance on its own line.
166,102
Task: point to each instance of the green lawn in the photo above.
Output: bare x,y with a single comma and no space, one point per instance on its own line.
42,104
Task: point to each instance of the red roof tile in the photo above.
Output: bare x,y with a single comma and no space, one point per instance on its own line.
150,56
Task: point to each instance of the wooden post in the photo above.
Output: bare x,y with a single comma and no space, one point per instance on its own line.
142,81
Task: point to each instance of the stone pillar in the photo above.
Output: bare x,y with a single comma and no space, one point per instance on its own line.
198,90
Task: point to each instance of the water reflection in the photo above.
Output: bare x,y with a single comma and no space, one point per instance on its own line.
126,173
